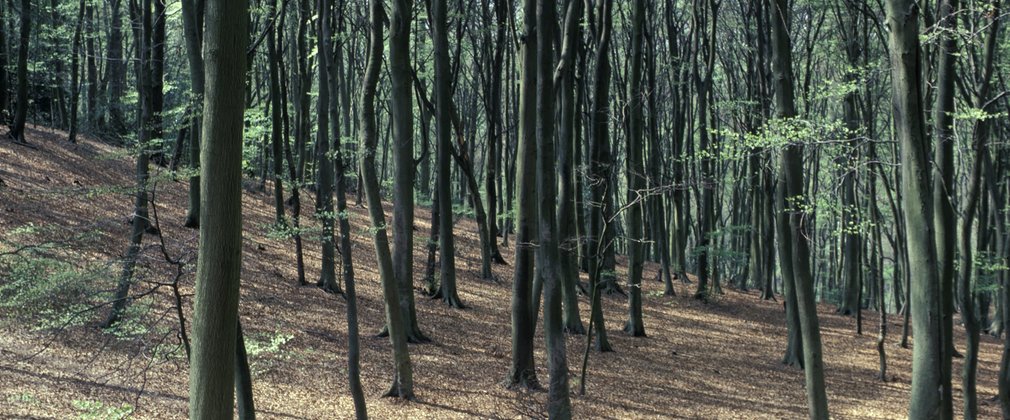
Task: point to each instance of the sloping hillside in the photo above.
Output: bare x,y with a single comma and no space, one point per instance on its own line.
715,360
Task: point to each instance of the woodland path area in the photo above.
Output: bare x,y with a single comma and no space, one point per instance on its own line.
715,360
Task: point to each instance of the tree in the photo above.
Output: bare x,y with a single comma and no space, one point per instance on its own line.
324,174
522,373
75,91
139,219
980,135
792,171
403,383
943,184
548,257
215,310
566,151
192,22
402,115
928,384
636,174
17,132
600,162
703,85
443,133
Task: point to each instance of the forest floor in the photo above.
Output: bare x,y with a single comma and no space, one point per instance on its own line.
700,360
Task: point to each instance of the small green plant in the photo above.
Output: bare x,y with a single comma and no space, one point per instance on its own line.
265,349
95,410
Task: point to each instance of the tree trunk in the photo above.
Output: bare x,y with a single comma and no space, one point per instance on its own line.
928,383
75,79
548,257
403,383
522,373
215,309
17,132
600,162
637,197
192,21
402,120
792,170
443,134
567,217
324,174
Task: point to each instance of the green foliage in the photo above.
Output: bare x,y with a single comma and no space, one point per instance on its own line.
41,284
97,410
265,350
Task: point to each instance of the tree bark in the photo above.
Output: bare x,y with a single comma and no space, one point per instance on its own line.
792,170
403,383
928,383
215,309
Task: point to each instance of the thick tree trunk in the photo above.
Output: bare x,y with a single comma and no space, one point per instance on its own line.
548,257
215,310
928,383
402,120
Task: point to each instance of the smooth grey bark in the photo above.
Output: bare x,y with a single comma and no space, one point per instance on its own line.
192,22
522,373
403,382
559,404
944,188
215,308
402,120
792,171
567,210
928,383
324,162
636,175
443,134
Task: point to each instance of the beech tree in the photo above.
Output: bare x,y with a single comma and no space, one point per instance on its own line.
215,310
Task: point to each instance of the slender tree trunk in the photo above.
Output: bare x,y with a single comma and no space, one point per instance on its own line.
567,217
944,220
277,124
792,170
75,79
443,134
324,174
522,373
636,196
967,264
192,21
17,131
600,162
403,383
